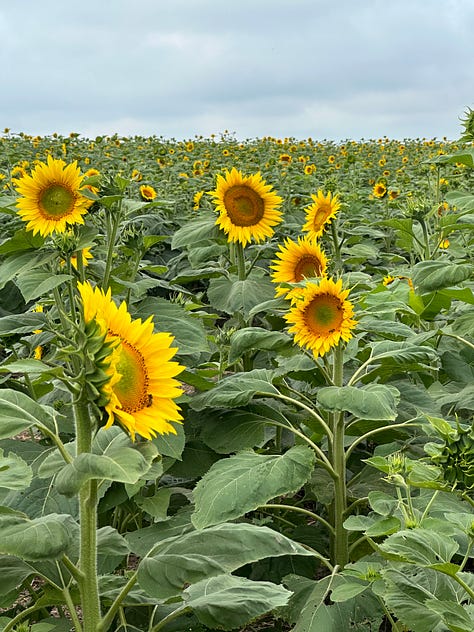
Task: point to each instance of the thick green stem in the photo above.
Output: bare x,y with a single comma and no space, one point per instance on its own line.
240,261
337,247
340,541
113,226
109,617
88,584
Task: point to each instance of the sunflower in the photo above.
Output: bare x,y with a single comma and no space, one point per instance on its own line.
320,213
85,254
147,192
197,200
51,197
379,190
141,388
322,316
247,207
297,260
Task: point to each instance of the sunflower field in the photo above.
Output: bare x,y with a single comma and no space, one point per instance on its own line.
237,384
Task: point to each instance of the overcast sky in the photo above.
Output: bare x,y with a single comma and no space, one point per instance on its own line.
329,69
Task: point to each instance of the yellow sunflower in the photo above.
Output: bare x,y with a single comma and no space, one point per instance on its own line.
147,192
142,387
320,213
322,316
197,200
247,207
297,260
379,190
51,197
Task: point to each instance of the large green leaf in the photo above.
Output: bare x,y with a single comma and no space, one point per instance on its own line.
226,602
39,539
435,275
231,295
118,462
34,284
18,412
236,390
455,616
251,339
194,232
410,593
13,572
229,432
244,482
374,401
15,264
15,473
422,547
192,557
188,330
21,323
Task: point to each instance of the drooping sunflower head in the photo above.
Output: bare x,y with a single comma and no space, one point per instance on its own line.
142,387
321,316
320,213
247,207
297,261
51,197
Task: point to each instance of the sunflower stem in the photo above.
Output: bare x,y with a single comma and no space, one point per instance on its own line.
340,539
113,224
240,261
88,584
337,247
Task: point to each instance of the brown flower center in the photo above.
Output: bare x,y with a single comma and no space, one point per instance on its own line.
307,266
324,314
243,205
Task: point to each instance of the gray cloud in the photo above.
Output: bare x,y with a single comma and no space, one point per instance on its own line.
343,69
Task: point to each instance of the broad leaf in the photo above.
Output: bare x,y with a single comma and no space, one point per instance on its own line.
21,323
251,339
39,539
236,390
192,557
227,602
233,295
420,546
244,482
15,473
374,401
119,463
34,284
18,412
435,275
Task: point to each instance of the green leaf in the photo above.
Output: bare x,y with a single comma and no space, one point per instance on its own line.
244,482
170,444
236,390
15,473
348,590
435,275
13,572
227,602
374,401
452,614
230,432
118,462
192,557
157,505
256,339
231,295
188,330
18,412
21,323
30,367
15,264
35,284
22,240
39,539
194,232
408,589
419,546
